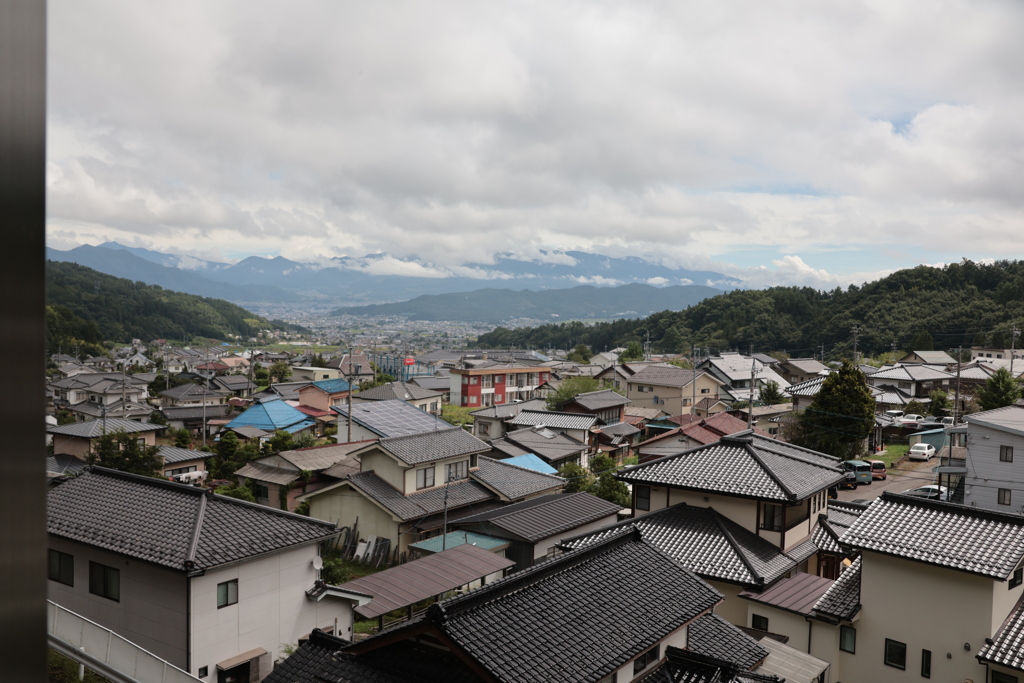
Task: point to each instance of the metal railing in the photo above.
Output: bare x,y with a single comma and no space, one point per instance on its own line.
105,652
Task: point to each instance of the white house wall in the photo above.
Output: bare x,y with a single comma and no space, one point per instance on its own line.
345,507
272,608
986,474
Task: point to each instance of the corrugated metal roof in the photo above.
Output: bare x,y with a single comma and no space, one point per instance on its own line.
409,583
546,516
795,594
453,539
94,428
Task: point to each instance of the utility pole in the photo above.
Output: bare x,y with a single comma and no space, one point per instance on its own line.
956,403
1013,338
893,345
750,402
855,330
693,381
823,354
444,527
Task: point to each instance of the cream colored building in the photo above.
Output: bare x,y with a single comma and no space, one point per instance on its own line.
671,389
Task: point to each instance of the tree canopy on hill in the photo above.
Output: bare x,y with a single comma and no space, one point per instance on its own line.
88,307
960,304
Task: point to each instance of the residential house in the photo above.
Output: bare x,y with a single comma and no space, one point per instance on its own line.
406,482
271,415
796,370
235,385
534,527
354,367
741,376
493,383
136,359
183,464
693,431
323,394
577,426
196,419
916,380
98,388
313,374
276,475
214,585
766,418
554,448
616,441
189,395
77,438
617,376
928,358
492,422
978,352
63,465
286,391
995,459
453,539
886,397
442,385
671,389
513,631
606,405
424,399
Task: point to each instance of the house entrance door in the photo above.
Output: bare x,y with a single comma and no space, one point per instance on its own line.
236,674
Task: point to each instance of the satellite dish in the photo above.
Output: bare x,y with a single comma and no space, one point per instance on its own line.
318,563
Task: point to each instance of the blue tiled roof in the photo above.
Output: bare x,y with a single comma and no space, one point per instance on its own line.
456,538
531,462
331,386
271,414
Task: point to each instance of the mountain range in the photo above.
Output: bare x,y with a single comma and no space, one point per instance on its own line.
583,302
375,278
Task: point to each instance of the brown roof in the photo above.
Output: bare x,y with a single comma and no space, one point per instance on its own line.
418,580
796,594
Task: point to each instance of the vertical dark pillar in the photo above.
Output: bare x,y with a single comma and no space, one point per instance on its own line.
22,282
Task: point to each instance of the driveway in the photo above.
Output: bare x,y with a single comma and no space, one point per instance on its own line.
911,474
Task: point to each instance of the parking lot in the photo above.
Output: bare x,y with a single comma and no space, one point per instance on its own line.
911,474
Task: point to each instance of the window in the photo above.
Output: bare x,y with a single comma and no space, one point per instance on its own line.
848,639
425,477
180,470
227,593
895,654
105,581
483,428
705,391
758,622
204,671
472,400
1015,580
771,517
498,398
1006,454
1004,496
646,659
643,497
999,677
473,380
926,663
263,491
62,568
488,381
456,470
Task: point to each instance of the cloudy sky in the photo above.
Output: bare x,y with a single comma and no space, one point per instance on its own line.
806,143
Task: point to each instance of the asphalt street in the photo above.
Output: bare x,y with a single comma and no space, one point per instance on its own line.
911,474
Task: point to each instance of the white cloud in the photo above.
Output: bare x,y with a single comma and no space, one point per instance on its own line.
449,134
657,281
595,280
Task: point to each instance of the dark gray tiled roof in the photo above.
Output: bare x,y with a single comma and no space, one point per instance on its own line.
172,454
156,521
64,464
744,464
194,412
417,505
402,391
605,398
810,387
826,539
392,418
945,534
507,448
511,481
1007,647
546,516
554,420
842,600
190,390
517,628
686,666
713,636
705,541
272,475
507,410
665,376
413,449
620,429
94,428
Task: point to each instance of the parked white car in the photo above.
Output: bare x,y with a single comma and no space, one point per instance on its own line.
932,491
911,419
921,451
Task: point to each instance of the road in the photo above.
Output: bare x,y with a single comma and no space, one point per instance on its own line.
911,474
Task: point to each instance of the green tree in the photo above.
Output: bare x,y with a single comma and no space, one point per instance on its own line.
456,415
281,441
239,492
940,404
223,463
915,407
999,390
572,387
261,375
580,354
317,361
577,479
182,437
770,393
841,416
611,489
922,341
64,417
157,418
125,452
634,351
281,371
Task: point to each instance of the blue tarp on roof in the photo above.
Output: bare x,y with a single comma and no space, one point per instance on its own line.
530,462
271,414
457,538
331,386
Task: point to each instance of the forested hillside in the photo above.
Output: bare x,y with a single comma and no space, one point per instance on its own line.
960,304
86,306
586,301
